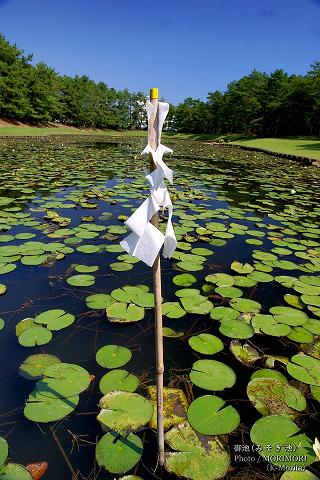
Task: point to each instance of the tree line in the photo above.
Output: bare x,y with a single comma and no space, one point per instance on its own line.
275,104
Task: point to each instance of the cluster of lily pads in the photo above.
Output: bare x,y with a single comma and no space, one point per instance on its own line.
57,389
246,270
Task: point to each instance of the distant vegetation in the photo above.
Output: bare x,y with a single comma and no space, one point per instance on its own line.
275,104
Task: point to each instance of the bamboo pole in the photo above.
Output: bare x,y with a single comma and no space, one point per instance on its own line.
153,137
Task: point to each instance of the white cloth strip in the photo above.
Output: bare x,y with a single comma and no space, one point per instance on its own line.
146,240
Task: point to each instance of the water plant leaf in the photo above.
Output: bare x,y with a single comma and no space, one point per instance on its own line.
113,356
184,279
124,312
121,266
124,412
304,368
63,380
118,454
305,475
235,329
55,319
33,367
289,315
245,305
229,292
195,456
241,267
170,333
15,471
86,268
246,354
220,279
207,416
3,450
173,310
3,289
118,380
2,324
196,304
44,409
275,397
81,280
268,373
212,375
276,429
175,406
99,301
35,336
206,343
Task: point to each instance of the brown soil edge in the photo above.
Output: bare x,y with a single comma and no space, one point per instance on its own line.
304,160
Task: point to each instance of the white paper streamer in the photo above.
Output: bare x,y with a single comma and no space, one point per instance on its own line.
146,240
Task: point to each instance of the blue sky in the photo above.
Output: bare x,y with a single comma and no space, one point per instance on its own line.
185,47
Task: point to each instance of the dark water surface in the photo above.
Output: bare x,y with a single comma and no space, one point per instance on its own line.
210,185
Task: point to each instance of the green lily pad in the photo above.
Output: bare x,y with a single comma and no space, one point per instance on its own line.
173,310
34,366
207,416
44,409
118,380
313,300
229,292
121,266
2,324
184,280
55,319
35,336
206,343
301,335
124,312
235,329
3,289
196,304
212,375
124,412
81,280
221,313
118,454
305,369
190,266
4,449
63,380
86,268
276,429
99,301
295,475
275,397
268,373
220,279
245,305
170,333
194,456
113,356
14,471
289,316
241,267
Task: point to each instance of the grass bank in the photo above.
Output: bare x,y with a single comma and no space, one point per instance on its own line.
300,146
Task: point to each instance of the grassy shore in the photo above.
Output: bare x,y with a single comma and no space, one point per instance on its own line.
301,146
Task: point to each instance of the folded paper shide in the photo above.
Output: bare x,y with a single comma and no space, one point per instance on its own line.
146,240
316,448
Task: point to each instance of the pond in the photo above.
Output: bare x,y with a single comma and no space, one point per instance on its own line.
241,313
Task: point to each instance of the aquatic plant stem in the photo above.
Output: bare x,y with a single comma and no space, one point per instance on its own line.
153,138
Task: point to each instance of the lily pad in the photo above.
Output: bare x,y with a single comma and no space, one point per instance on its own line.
124,313
245,305
173,310
55,319
81,280
305,369
35,336
207,416
99,301
14,471
113,356
184,279
276,429
241,267
3,451
44,409
124,412
175,406
235,329
275,397
206,343
118,454
63,380
195,456
34,366
118,380
246,354
212,375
